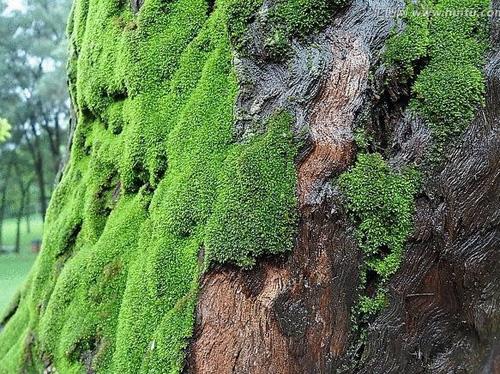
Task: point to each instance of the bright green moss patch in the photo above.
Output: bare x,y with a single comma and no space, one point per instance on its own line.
382,203
369,306
298,18
303,17
240,15
451,37
442,50
155,176
266,207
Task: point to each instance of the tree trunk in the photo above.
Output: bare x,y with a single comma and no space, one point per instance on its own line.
134,243
40,177
38,162
294,315
2,211
3,198
19,220
21,211
27,213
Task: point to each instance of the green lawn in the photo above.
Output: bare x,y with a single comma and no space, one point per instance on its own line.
14,268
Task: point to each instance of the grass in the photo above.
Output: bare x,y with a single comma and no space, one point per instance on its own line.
14,268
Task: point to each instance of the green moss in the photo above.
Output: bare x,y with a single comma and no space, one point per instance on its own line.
381,202
362,139
268,159
240,15
303,17
369,306
284,20
155,175
451,37
297,18
407,47
441,49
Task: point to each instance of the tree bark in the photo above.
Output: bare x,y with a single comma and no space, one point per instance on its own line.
19,219
295,312
293,315
21,211
27,213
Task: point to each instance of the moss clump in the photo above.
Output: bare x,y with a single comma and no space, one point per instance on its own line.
268,159
451,37
303,17
382,204
407,47
297,18
154,176
369,306
284,20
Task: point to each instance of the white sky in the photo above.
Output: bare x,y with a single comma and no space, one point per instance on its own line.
14,5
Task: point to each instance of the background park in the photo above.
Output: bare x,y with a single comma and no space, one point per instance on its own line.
34,121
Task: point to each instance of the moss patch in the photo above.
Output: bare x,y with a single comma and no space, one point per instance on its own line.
381,202
450,37
298,18
154,176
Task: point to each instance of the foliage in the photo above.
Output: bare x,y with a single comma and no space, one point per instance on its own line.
4,130
154,176
453,36
33,94
382,204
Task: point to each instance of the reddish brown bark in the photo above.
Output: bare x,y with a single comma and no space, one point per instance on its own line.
293,315
285,316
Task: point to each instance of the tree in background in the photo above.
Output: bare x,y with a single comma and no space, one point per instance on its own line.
33,94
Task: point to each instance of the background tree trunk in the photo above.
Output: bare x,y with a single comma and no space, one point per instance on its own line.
3,197
19,220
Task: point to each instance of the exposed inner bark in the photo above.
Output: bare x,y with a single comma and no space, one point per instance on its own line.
288,316
332,118
294,315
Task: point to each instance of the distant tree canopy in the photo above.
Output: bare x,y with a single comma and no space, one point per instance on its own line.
34,103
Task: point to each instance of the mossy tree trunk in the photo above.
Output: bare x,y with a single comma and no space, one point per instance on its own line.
302,313
281,186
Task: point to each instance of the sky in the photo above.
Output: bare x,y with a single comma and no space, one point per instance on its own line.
14,5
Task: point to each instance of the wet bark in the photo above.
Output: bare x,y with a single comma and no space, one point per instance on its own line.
293,314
